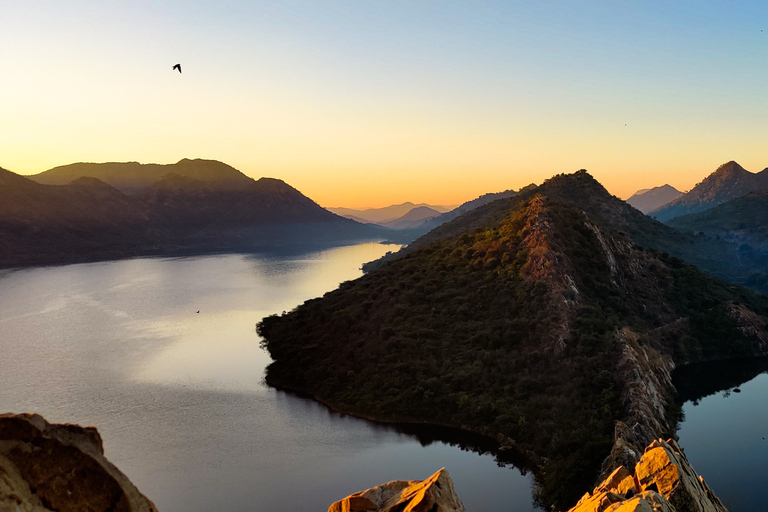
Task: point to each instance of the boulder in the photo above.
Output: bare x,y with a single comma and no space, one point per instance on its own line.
46,466
664,481
435,494
665,466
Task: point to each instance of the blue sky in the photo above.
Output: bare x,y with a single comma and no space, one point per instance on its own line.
368,103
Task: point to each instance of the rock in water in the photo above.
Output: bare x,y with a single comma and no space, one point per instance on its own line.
435,494
664,481
46,466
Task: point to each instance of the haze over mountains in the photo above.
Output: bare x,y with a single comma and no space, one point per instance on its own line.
729,181
390,215
654,198
223,210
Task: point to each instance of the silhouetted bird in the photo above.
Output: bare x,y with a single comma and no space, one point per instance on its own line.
177,66
198,310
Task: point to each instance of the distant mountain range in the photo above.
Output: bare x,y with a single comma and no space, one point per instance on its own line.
219,209
414,218
387,214
397,216
651,199
728,182
408,235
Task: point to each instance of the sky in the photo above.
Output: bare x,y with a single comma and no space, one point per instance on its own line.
368,103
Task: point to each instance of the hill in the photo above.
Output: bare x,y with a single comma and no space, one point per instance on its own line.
729,181
130,177
648,200
537,320
90,220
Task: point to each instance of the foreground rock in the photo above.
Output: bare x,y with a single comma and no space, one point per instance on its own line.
435,494
663,481
61,468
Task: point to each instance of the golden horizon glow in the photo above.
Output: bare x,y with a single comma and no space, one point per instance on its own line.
358,104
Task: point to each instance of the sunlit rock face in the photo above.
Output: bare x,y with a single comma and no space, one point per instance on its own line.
435,494
61,468
664,481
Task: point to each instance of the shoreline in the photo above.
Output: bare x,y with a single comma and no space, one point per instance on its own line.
522,459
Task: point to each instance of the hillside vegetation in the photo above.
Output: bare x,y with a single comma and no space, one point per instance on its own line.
513,321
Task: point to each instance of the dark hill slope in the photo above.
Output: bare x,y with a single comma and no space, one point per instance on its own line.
42,223
90,220
533,320
130,177
652,199
267,209
743,220
729,181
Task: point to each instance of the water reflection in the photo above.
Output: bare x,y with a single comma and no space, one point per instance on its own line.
723,432
696,381
179,397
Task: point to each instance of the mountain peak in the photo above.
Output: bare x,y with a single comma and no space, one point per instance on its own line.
729,181
730,168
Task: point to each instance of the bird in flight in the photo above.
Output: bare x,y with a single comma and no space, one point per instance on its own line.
177,66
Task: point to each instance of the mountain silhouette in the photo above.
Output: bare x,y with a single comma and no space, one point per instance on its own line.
652,199
130,177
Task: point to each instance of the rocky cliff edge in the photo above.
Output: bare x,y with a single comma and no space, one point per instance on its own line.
52,467
663,481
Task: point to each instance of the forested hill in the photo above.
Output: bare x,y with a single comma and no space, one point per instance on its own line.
534,320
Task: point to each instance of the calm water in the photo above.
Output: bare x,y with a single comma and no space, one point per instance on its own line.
179,396
724,432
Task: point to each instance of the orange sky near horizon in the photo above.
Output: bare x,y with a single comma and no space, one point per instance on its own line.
366,191
366,104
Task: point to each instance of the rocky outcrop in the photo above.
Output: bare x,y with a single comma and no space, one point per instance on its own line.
648,378
61,468
663,481
435,494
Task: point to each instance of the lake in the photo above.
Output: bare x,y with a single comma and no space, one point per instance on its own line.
725,428
178,395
